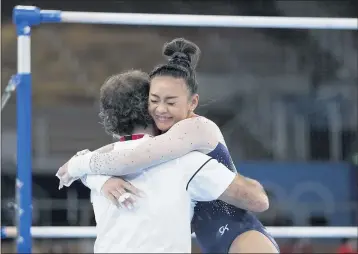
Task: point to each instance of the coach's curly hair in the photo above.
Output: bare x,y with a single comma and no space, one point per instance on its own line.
124,102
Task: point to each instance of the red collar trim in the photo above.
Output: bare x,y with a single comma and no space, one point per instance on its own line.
131,137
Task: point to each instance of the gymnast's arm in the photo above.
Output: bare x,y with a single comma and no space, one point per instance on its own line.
110,187
197,133
96,182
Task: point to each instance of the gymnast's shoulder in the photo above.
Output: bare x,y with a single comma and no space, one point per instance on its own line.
198,123
201,133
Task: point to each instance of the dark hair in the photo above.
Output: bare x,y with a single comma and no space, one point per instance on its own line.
183,57
124,102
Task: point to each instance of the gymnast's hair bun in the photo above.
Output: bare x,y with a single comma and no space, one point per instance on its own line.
182,52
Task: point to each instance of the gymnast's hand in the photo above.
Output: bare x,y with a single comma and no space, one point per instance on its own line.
63,173
121,193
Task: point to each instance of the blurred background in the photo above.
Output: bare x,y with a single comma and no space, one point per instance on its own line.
286,101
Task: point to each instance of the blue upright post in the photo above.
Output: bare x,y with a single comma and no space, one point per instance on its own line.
24,18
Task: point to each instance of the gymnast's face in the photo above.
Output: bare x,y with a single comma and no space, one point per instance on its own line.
170,101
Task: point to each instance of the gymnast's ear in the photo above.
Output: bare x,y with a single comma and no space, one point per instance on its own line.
194,102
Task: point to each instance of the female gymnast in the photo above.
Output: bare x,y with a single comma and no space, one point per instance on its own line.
219,227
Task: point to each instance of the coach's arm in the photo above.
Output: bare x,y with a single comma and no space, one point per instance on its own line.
247,194
210,180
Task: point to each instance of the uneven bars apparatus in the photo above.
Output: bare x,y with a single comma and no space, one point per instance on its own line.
277,232
24,17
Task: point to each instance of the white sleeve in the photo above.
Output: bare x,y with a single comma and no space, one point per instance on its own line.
206,178
95,182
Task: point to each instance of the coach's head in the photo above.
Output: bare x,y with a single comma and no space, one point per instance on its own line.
124,103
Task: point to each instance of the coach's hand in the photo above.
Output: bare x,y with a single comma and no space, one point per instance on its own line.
120,192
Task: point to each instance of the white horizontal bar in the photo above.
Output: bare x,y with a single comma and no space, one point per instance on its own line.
277,232
314,232
209,20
